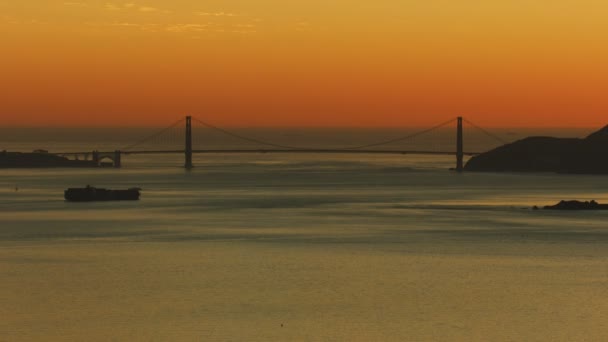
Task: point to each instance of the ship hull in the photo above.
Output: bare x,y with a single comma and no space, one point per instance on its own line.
91,194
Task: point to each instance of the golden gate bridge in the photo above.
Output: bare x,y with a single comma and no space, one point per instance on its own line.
186,124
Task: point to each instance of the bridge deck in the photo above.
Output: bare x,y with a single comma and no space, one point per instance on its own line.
334,151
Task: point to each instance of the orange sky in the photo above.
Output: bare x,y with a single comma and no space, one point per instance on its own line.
304,63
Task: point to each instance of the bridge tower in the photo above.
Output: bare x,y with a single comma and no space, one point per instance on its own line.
459,146
188,150
117,159
96,157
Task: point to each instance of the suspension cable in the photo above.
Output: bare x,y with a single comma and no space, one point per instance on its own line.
491,135
409,136
262,142
148,138
257,141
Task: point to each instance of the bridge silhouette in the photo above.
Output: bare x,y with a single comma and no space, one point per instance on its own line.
185,125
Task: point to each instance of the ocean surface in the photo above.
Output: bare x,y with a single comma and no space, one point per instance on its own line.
306,247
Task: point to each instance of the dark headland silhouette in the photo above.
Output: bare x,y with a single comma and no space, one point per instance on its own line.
39,160
576,205
547,154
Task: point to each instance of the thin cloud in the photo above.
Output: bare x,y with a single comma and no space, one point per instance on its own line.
129,6
244,31
75,4
209,28
180,28
10,20
112,7
21,21
148,9
128,25
248,26
303,26
217,14
125,25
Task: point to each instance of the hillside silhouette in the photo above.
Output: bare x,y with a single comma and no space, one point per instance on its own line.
547,154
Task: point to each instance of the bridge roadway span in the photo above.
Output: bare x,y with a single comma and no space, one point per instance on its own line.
236,151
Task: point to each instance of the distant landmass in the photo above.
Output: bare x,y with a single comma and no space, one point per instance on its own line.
547,154
39,160
576,205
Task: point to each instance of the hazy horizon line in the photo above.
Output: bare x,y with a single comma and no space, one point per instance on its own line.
295,127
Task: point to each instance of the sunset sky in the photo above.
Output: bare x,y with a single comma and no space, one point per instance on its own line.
304,63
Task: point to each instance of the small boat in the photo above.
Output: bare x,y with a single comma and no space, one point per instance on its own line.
90,194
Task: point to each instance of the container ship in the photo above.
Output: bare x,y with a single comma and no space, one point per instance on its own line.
91,194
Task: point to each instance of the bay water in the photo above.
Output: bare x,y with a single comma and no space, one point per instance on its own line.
305,247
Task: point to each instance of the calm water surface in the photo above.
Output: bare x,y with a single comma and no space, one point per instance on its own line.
263,247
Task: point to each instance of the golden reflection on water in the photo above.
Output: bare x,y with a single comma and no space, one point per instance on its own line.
336,249
296,292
